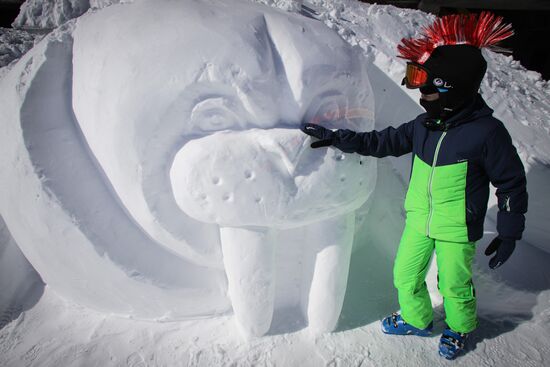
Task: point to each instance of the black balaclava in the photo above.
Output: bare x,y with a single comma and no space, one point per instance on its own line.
455,71
433,107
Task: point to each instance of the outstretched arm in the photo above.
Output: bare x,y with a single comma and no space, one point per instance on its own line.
390,141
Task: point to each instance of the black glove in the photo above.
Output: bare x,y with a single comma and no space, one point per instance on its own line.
325,135
503,248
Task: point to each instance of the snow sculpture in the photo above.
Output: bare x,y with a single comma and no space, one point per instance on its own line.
276,182
160,147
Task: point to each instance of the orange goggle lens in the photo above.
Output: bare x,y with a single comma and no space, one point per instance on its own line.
415,76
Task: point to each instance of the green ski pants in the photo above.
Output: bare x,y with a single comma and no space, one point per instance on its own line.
454,264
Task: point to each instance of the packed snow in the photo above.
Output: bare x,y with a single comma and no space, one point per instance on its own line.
156,200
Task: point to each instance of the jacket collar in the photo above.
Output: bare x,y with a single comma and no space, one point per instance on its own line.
472,110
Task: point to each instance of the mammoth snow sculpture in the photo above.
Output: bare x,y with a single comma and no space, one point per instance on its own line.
154,167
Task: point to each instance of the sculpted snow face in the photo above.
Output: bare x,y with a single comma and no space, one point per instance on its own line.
268,178
190,112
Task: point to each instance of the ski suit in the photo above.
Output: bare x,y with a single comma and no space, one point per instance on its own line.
446,203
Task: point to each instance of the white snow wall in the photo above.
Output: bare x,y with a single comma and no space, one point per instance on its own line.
89,194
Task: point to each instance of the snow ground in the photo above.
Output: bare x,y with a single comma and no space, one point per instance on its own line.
39,327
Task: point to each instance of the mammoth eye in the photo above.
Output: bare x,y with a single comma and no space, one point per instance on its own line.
214,114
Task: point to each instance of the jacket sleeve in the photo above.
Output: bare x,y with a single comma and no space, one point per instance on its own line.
506,173
390,141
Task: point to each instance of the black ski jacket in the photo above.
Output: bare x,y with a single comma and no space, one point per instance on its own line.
474,140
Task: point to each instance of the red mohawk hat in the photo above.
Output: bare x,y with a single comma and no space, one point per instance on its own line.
483,30
450,51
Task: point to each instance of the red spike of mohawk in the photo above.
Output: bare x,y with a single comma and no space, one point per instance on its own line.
483,30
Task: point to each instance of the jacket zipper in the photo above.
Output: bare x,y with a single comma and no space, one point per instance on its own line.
507,204
430,181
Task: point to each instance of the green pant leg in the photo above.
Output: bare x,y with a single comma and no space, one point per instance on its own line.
409,274
454,264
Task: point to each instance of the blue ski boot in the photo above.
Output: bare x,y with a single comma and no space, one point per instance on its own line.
451,343
394,324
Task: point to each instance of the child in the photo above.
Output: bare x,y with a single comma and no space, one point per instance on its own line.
458,149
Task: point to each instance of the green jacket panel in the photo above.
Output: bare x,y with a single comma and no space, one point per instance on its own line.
436,200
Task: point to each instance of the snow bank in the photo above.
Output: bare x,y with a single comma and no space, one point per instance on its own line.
117,151
288,5
37,17
49,14
14,44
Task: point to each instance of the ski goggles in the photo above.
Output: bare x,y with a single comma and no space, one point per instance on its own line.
416,76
